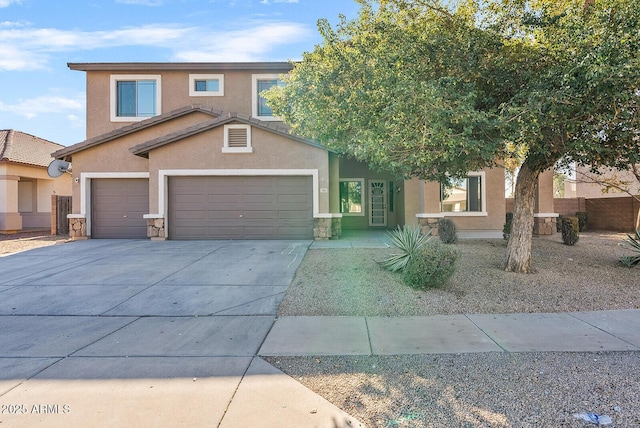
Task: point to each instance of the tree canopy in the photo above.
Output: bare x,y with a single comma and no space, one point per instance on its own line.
434,89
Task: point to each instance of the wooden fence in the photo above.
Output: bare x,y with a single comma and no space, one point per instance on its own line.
60,207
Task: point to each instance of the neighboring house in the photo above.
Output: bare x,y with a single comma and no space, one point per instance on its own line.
25,186
191,151
589,185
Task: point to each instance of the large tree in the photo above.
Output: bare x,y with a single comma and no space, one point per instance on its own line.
434,89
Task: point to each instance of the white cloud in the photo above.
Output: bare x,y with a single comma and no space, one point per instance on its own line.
141,2
29,48
252,44
33,107
278,1
26,48
7,3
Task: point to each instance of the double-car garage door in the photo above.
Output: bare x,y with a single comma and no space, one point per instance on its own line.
264,207
221,207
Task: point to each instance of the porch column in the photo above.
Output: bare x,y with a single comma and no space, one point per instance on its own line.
545,217
10,218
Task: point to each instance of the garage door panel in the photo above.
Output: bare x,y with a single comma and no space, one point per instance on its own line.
293,215
259,215
261,207
118,206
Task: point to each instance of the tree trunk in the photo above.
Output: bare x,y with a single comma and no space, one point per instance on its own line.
518,256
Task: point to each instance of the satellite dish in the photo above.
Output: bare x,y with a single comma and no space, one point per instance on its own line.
58,167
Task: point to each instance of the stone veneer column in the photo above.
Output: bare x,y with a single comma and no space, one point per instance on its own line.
155,229
327,228
429,224
77,227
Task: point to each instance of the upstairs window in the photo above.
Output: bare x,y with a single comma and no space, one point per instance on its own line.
237,139
463,195
134,98
262,82
206,85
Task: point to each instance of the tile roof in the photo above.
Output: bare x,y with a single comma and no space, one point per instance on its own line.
219,117
19,147
137,126
224,118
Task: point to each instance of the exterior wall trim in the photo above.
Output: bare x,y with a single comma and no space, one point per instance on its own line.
546,215
164,174
85,190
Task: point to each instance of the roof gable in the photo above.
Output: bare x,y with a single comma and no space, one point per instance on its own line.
225,118
135,127
19,147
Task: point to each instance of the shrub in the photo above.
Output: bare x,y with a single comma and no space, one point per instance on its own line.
570,229
630,261
447,231
506,229
582,220
432,267
409,241
559,223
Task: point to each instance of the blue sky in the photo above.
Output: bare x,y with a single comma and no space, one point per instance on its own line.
39,95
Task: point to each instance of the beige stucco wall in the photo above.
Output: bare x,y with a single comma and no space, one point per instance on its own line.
544,198
18,182
270,151
174,94
424,198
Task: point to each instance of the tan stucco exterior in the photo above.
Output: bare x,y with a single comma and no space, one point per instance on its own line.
25,196
187,138
202,154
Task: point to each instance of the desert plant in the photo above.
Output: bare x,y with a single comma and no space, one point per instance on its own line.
409,241
506,229
570,228
582,220
447,231
432,267
630,261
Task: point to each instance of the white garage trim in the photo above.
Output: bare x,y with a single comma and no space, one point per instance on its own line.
85,190
164,174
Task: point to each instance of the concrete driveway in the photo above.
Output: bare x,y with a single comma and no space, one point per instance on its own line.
141,333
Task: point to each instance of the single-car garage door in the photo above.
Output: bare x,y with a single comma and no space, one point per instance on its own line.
118,206
264,207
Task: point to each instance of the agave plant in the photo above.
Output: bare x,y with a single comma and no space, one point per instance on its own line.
632,260
409,241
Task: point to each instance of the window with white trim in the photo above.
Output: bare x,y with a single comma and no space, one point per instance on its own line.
260,83
463,195
237,139
135,97
352,196
206,85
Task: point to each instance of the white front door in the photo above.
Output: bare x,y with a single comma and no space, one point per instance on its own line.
377,203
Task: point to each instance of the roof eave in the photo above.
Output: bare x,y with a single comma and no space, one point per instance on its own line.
180,66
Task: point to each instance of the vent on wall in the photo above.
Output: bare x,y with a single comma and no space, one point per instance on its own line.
237,139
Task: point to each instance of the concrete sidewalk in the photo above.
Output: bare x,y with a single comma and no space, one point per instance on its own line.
560,332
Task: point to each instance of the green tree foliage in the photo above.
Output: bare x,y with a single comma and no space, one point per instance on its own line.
434,89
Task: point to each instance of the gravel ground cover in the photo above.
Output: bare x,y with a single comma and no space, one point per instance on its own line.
483,389
476,390
584,277
23,241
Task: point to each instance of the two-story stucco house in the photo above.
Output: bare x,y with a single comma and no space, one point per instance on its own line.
191,151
